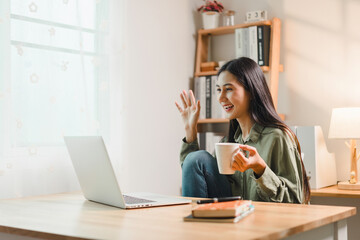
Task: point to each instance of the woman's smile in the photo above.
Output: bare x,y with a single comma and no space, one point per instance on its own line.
228,107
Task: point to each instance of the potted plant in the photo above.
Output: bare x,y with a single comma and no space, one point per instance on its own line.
210,13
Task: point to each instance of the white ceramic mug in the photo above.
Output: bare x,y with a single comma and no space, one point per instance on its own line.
225,156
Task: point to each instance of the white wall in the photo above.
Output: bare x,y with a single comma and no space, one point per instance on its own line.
320,50
159,53
321,58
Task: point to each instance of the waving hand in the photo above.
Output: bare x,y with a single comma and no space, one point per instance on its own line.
190,112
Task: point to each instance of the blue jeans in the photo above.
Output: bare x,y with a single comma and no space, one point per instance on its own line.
201,177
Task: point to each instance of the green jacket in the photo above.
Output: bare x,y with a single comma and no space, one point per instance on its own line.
282,178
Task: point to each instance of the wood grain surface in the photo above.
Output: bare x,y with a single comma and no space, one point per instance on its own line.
70,216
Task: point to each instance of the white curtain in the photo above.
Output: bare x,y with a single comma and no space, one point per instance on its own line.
54,81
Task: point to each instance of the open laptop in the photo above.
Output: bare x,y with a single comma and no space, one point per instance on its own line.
97,177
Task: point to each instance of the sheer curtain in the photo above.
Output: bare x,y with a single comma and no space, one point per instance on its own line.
54,71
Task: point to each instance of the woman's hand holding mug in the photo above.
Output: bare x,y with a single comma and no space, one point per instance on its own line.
254,161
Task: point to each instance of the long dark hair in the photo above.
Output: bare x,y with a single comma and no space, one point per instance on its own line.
262,109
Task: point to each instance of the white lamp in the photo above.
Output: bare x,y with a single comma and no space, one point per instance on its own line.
345,124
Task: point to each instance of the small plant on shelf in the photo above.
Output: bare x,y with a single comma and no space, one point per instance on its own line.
211,6
210,12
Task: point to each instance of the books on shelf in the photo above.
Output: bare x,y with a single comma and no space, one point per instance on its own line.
253,46
263,36
205,91
231,211
200,94
216,109
253,42
208,96
241,42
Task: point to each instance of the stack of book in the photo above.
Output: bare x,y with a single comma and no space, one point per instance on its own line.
227,212
205,91
253,42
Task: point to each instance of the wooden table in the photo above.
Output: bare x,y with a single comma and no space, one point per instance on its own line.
70,216
338,197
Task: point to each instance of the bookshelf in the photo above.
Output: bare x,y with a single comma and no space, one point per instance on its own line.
265,69
273,69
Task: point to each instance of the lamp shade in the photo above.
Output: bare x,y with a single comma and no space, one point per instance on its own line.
345,123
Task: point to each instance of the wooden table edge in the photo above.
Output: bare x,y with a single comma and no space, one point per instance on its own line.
36,234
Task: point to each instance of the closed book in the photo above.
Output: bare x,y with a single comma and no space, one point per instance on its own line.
253,44
197,89
263,35
202,97
221,209
202,141
191,218
208,97
216,109
241,42
199,92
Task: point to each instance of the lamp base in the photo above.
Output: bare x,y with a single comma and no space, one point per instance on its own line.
349,186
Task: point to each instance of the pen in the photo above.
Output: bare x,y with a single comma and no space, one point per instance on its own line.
214,200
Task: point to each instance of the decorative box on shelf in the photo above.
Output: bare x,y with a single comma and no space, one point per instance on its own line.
208,66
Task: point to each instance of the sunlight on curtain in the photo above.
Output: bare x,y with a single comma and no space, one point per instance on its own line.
54,82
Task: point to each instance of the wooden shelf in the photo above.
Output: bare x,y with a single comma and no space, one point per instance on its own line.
224,120
231,29
265,69
213,120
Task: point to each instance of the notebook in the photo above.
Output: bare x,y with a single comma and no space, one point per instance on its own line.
98,180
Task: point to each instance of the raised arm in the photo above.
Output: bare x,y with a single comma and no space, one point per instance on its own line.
190,111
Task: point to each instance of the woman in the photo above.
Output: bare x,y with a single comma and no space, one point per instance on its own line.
269,167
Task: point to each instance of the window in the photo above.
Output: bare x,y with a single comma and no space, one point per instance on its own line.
53,82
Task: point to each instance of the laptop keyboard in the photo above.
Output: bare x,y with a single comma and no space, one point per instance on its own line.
134,200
